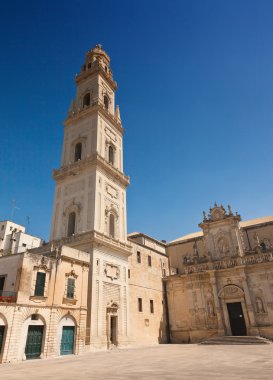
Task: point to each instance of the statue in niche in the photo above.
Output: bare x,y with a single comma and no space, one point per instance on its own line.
223,245
210,307
259,305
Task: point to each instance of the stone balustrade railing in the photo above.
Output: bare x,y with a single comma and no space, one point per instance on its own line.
230,263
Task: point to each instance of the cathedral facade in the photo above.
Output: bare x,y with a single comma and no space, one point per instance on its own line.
94,286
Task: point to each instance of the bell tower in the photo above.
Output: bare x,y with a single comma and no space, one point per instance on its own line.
90,192
90,199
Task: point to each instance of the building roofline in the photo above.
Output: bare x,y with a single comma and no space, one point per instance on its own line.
244,225
141,234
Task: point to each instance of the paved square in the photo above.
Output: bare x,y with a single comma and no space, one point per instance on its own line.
157,362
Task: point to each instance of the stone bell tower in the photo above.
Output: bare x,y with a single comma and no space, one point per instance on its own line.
90,198
90,185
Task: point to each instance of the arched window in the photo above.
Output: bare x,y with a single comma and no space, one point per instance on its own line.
112,225
71,224
86,100
106,102
78,151
111,154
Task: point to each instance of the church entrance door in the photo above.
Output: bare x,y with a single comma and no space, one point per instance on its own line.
113,330
236,318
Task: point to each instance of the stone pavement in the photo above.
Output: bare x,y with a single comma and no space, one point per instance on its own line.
158,362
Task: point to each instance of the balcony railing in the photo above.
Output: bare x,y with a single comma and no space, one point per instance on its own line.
9,297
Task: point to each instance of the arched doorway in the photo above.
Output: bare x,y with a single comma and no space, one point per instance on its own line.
3,332
67,334
112,324
34,336
234,309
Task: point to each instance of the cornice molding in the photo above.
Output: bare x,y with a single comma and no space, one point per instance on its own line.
96,108
95,160
97,239
95,71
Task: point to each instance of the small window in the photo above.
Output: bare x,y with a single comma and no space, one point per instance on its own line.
2,227
106,102
89,65
24,245
70,292
112,225
151,306
71,224
139,300
111,155
138,257
2,283
149,260
86,100
78,152
129,273
40,284
34,317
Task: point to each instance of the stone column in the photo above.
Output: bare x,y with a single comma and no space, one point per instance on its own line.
253,327
221,329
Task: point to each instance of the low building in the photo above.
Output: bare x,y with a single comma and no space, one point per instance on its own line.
43,304
14,239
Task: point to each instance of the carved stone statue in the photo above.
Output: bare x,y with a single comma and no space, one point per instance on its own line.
210,309
259,305
223,245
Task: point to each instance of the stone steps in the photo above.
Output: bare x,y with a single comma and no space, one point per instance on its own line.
236,340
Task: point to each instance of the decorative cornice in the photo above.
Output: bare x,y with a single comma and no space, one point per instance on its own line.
97,238
244,261
94,160
95,70
94,109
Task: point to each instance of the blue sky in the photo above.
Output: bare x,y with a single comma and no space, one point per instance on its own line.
195,92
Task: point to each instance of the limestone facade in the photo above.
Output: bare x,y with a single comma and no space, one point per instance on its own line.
222,278
23,305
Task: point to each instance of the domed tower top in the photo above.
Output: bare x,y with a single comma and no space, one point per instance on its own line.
96,60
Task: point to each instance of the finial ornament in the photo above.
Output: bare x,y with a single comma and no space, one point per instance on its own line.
204,216
229,210
215,204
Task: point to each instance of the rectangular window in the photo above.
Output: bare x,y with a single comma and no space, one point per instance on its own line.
139,300
24,245
149,261
138,257
40,284
151,306
2,283
70,288
129,273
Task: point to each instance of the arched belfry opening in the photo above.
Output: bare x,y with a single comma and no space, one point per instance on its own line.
86,100
112,225
111,155
78,152
71,226
106,102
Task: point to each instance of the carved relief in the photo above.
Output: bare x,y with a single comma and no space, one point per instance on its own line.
231,291
112,191
111,271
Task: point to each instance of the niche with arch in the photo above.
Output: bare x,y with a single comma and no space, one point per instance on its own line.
71,224
106,102
86,100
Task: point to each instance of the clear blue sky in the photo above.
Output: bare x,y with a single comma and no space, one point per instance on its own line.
195,92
